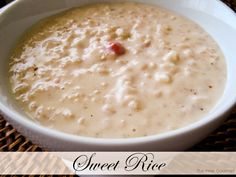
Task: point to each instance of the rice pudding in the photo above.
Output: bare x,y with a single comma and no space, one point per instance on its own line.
117,70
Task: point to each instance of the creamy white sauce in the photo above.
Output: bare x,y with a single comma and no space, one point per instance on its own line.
167,73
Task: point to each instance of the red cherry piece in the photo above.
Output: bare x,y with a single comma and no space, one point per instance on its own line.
117,48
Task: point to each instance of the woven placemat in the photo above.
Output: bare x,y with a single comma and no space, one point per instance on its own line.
223,139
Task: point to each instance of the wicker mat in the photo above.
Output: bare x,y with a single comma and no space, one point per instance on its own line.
223,139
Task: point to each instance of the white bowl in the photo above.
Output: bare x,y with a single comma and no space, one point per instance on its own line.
213,16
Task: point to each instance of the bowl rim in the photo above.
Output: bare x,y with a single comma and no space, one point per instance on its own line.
58,135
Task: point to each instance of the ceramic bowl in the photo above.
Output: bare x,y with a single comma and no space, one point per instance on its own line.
217,19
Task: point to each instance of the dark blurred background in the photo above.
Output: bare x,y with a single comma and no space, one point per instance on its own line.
4,2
